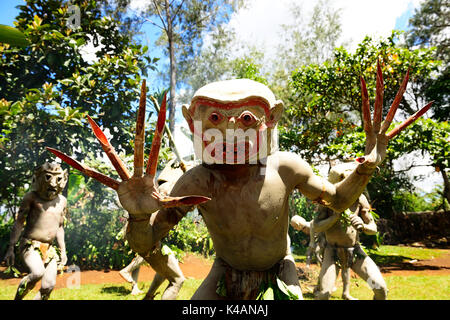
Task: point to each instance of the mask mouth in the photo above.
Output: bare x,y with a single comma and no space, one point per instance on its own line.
229,153
52,189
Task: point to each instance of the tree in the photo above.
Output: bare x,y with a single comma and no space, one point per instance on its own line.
181,23
323,121
429,28
307,40
325,103
48,87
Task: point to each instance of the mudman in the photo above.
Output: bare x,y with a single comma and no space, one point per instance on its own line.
316,244
161,259
343,250
242,185
42,211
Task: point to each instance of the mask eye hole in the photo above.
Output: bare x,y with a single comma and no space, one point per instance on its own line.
59,179
215,118
247,118
48,177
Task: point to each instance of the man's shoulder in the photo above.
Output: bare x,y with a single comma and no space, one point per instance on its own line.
288,162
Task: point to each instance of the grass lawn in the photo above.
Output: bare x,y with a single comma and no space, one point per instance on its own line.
414,287
105,291
400,288
387,254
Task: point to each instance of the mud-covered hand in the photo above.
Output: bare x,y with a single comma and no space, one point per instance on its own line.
63,261
376,137
138,193
356,222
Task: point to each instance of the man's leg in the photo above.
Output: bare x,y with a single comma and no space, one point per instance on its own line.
157,281
288,274
126,272
48,281
327,276
33,261
167,267
208,288
369,272
345,273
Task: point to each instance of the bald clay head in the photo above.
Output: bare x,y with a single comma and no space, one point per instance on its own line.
233,121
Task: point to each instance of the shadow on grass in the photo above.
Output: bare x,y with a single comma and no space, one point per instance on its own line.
117,290
308,296
389,263
387,260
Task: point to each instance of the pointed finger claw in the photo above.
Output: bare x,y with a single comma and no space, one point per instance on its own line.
408,121
169,202
156,143
85,169
395,103
365,107
140,134
378,106
109,150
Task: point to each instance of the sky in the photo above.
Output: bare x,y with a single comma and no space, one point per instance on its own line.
260,23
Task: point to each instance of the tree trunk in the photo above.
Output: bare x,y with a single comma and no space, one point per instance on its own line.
446,192
173,80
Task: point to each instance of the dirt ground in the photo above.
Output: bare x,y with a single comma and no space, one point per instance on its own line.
196,267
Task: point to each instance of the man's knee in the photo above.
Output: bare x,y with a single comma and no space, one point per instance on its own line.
48,284
378,287
380,293
36,275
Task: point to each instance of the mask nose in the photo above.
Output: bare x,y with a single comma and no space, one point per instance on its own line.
231,122
53,182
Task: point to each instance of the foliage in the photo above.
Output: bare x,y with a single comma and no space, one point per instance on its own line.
429,28
323,118
310,39
211,64
325,102
248,68
300,205
12,36
46,90
191,234
5,229
48,87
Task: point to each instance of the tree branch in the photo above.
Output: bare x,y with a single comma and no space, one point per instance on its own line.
415,166
178,9
155,24
159,14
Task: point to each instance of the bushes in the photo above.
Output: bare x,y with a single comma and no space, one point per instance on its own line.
190,234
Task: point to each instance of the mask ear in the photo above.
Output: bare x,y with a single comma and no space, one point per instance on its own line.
187,115
276,112
66,176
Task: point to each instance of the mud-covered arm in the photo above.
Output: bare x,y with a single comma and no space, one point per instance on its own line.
17,228
145,230
324,221
60,238
369,226
337,197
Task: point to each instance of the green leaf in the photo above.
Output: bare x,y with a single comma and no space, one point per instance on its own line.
268,295
165,250
13,36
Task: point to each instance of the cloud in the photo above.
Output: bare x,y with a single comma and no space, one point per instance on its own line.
259,24
89,50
